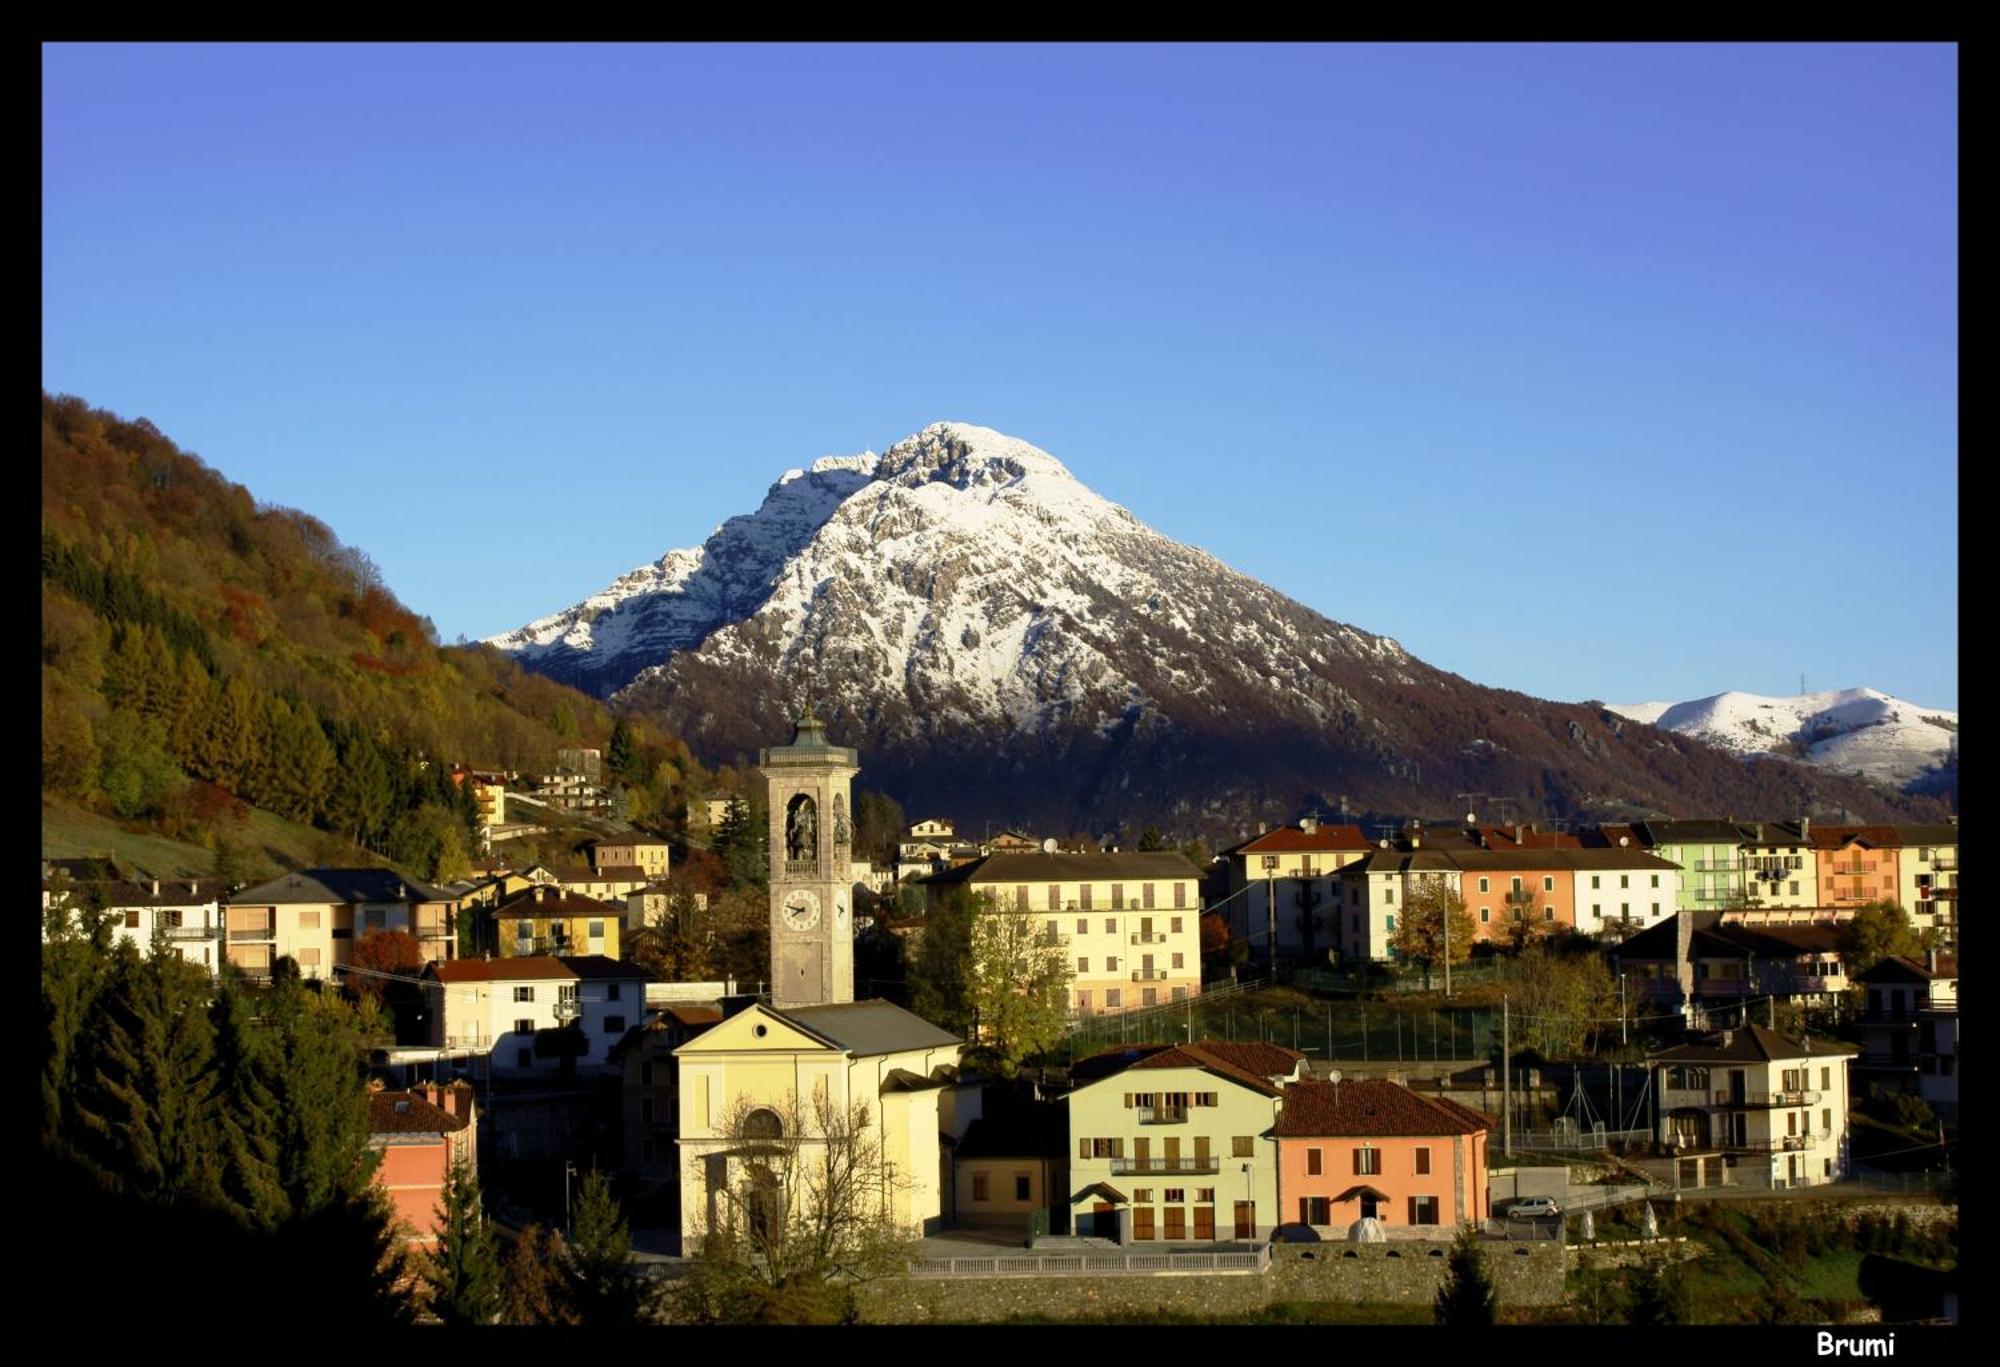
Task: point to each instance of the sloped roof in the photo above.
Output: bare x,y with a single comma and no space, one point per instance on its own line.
536,901
1711,938
867,1028
527,968
133,893
1838,837
340,886
1251,1065
602,966
1037,867
1297,840
1370,1107
1697,831
1752,1044
407,1113
1901,968
1937,834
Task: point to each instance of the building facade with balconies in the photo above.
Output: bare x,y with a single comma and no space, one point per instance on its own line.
1856,864
1709,854
507,1009
1780,867
1755,1108
1283,887
550,920
1174,1143
187,915
1909,1031
314,917
1927,878
1130,924
1712,969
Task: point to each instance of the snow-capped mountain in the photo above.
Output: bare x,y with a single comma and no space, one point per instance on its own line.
1848,731
998,640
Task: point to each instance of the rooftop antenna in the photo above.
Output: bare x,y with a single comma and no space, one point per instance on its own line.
1802,681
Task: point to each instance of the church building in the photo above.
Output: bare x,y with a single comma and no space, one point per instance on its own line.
783,1075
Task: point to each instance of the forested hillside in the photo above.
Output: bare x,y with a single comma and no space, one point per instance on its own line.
203,654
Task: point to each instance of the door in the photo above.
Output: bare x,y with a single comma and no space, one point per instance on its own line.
1204,1222
1142,1222
1368,1207
1177,1221
1173,1163
1102,1222
1736,1087
1246,1219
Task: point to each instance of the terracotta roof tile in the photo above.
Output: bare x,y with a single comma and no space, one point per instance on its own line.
1371,1107
407,1113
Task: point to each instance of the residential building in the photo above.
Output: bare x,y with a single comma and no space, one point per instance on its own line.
585,762
188,914
644,853
1909,1031
1927,878
1621,888
1375,1149
1856,865
1711,969
1376,888
1282,888
1753,1107
1011,1164
507,1008
1710,855
607,882
314,916
648,906
1011,842
651,1087
1507,890
1780,869
419,1134
551,920
1129,923
1176,1143
932,829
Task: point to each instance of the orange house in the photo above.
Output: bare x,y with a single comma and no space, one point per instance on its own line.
1374,1148
1857,864
1506,887
419,1134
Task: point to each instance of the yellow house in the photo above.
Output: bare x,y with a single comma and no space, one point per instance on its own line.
549,920
1130,923
1175,1143
1927,878
1780,869
1283,890
765,1073
649,856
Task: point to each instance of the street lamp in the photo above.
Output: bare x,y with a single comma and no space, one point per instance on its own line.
569,1222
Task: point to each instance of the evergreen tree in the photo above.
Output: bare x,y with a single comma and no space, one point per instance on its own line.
324,1158
598,1282
941,971
1655,1294
144,1107
463,1272
1467,1295
744,846
622,760
76,960
247,1112
193,698
531,1289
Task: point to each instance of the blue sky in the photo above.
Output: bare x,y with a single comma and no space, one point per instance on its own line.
1625,372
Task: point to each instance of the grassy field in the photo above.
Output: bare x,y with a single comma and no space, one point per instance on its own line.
270,845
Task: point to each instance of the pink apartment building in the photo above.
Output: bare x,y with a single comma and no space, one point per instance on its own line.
1374,1148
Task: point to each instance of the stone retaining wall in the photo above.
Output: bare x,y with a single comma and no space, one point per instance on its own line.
1525,1274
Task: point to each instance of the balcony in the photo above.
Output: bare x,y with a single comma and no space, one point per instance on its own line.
1777,1143
259,933
1165,1167
802,868
1947,864
1162,1115
1718,866
1521,897
1148,975
1147,937
1750,1100
192,932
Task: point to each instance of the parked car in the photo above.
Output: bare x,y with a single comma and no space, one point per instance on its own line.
1534,1208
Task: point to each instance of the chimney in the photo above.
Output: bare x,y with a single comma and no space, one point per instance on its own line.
1309,824
1728,1036
156,887
1930,961
1805,828
1517,832
375,1084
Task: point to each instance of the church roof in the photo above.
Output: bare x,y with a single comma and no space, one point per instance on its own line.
868,1028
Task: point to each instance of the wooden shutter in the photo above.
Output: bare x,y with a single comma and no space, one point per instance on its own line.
1083,1148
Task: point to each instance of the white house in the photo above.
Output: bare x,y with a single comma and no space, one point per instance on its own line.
1373,892
498,1006
188,914
1755,1108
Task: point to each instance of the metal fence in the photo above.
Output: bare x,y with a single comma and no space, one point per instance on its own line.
1092,1264
1578,1140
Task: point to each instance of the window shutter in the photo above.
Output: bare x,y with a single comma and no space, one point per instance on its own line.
1083,1148
1413,1211
1128,1101
1117,1148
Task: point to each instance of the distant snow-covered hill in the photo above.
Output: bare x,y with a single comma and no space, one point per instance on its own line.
1847,731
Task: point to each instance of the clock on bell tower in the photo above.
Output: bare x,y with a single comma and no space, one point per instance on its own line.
812,927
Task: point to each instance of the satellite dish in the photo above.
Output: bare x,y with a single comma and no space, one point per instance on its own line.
1049,845
1333,1075
1624,840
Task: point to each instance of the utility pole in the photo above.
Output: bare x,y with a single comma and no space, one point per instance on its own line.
1506,1083
1447,947
1623,1037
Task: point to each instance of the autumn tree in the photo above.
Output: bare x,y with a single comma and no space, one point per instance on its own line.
531,1280
808,1213
383,952
1559,999
1433,922
1020,979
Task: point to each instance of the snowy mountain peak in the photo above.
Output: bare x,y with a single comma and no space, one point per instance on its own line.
1848,730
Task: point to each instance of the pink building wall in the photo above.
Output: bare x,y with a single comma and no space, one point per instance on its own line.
1398,1179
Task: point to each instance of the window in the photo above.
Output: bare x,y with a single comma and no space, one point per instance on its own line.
1315,1210
1177,960
1149,996
646,1073
1242,1146
1111,996
1548,913
1791,1122
1597,911
1624,880
1367,1161
1593,880
1180,993
1389,896
1826,1079
1022,1187
1548,883
1516,884
1486,913
524,994
979,1186
1795,889
308,920
611,992
1180,894
614,1025
1206,1194
1656,908
1269,861
1020,897
1083,896
1483,885
1625,910
170,917
131,920
1082,926
525,1025
523,1057
1052,930
1389,922
594,929
1423,1162
1111,964
1514,914
1175,925
1423,1210
1055,897
1656,880
372,918
1826,1120
1110,926
309,956
1313,1168
1104,1148
1175,1194
1083,1000
1083,965
1146,895
646,1110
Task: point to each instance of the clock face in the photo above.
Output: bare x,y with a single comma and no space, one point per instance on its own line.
801,910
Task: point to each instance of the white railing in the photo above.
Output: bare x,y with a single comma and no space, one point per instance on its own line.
1092,1264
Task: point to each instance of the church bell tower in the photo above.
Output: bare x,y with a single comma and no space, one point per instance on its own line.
812,921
